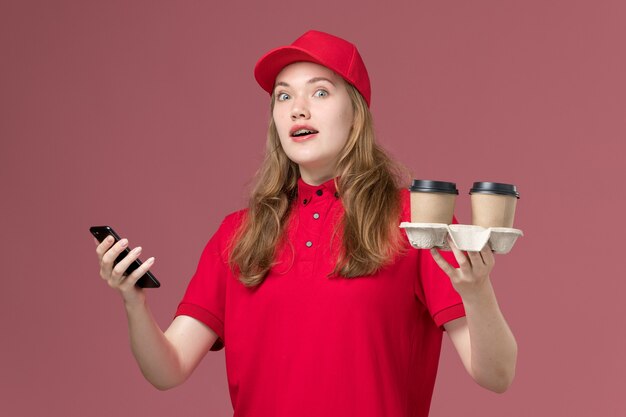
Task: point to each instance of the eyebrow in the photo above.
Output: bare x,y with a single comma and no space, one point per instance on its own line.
311,81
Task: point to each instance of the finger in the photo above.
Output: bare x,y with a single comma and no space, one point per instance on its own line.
461,259
475,258
132,279
443,264
120,269
112,254
488,256
104,246
107,263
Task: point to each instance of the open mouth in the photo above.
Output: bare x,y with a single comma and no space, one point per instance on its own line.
302,132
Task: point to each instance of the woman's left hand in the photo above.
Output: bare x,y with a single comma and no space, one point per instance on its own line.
472,275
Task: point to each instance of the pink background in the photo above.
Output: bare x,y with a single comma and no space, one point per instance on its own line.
145,115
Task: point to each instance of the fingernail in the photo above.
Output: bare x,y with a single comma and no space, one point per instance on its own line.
150,260
123,242
137,249
109,238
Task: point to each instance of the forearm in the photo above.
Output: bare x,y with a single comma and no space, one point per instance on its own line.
156,356
492,344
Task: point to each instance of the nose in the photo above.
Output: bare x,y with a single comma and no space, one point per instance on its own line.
299,109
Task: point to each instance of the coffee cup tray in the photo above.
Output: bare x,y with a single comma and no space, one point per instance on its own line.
465,237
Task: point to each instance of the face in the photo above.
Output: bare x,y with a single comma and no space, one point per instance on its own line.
313,115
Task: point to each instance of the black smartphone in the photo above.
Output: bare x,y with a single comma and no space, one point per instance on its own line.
147,280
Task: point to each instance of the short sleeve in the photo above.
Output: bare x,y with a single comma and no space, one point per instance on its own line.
435,289
433,286
205,297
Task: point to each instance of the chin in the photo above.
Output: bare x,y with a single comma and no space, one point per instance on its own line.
303,159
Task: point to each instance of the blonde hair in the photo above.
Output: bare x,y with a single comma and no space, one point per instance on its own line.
368,184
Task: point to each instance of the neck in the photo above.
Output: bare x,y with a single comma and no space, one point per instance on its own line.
315,178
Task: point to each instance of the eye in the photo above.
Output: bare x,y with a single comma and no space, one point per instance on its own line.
321,93
282,96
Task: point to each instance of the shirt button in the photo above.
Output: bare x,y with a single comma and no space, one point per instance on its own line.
304,201
319,192
336,195
309,244
316,216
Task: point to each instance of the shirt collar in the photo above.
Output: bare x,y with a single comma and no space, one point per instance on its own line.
307,192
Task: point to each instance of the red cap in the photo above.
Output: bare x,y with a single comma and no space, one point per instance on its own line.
321,48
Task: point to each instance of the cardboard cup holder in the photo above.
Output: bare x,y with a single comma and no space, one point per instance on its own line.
465,237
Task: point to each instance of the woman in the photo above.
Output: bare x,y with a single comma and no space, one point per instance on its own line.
323,307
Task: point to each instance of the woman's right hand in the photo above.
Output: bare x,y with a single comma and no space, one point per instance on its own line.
166,359
114,275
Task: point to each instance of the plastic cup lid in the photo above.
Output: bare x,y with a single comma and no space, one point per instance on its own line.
494,188
427,186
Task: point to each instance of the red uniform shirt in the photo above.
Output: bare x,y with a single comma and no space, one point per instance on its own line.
303,344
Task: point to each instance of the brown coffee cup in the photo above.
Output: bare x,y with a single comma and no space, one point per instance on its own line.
493,204
432,201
